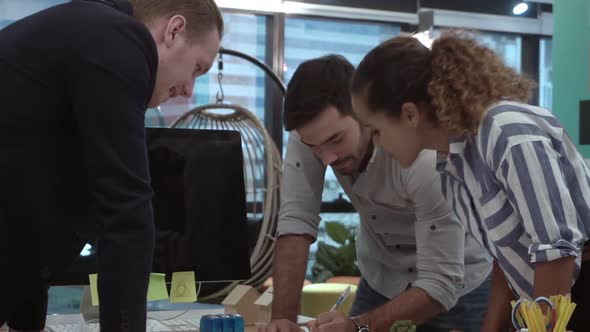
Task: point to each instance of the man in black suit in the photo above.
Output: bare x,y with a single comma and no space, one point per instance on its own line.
75,81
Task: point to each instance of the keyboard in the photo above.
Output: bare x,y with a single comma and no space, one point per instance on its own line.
191,325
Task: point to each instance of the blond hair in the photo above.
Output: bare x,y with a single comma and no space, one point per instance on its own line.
201,15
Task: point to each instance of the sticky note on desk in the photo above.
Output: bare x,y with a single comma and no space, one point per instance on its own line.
183,288
157,287
93,288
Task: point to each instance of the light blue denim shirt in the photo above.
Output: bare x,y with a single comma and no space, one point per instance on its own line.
408,233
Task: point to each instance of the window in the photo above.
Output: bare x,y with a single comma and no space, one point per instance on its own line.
4,23
243,83
308,38
546,74
508,47
11,10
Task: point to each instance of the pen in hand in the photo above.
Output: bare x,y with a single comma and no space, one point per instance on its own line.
341,299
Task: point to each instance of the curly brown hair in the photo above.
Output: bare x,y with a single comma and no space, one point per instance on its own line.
466,79
458,77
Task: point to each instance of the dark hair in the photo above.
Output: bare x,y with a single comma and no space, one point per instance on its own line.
458,78
315,85
200,15
395,72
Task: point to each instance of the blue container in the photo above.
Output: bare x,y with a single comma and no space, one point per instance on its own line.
238,323
227,323
211,323
217,324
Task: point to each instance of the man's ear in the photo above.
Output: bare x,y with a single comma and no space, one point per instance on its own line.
176,25
410,114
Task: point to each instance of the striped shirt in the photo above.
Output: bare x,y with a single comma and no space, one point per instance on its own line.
521,188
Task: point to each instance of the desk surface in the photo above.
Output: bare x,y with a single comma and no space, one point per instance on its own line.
157,315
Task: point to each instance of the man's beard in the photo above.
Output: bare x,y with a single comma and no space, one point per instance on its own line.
339,163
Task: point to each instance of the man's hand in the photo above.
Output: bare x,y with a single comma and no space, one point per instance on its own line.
334,321
280,325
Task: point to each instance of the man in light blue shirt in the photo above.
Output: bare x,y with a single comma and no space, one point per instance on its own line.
417,261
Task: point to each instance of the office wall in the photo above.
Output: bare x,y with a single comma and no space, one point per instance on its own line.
571,57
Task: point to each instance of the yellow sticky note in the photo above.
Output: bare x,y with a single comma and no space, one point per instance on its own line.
157,287
93,288
183,288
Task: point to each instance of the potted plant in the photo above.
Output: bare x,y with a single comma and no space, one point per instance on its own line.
336,260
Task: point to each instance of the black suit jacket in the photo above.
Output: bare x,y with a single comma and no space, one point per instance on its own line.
75,81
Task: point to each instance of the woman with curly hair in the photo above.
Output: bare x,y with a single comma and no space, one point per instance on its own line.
511,172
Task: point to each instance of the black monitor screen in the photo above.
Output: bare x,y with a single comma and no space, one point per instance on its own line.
199,207
199,203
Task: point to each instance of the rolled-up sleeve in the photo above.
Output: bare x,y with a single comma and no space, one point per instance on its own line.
539,183
440,236
301,190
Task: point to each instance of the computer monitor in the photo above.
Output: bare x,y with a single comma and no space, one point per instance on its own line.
199,207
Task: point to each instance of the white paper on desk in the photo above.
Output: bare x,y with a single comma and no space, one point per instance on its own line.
82,325
302,320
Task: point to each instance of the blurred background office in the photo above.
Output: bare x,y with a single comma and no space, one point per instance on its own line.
281,34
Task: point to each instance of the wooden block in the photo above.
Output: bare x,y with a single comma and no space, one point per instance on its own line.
241,301
264,306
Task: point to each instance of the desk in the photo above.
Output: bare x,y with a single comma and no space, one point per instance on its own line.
157,315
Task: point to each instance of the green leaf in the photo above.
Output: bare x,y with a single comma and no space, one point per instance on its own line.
338,260
347,256
320,273
326,256
337,232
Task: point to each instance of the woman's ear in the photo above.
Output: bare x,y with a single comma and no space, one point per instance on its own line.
410,114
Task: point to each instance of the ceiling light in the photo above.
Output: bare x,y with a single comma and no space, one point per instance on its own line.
520,8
